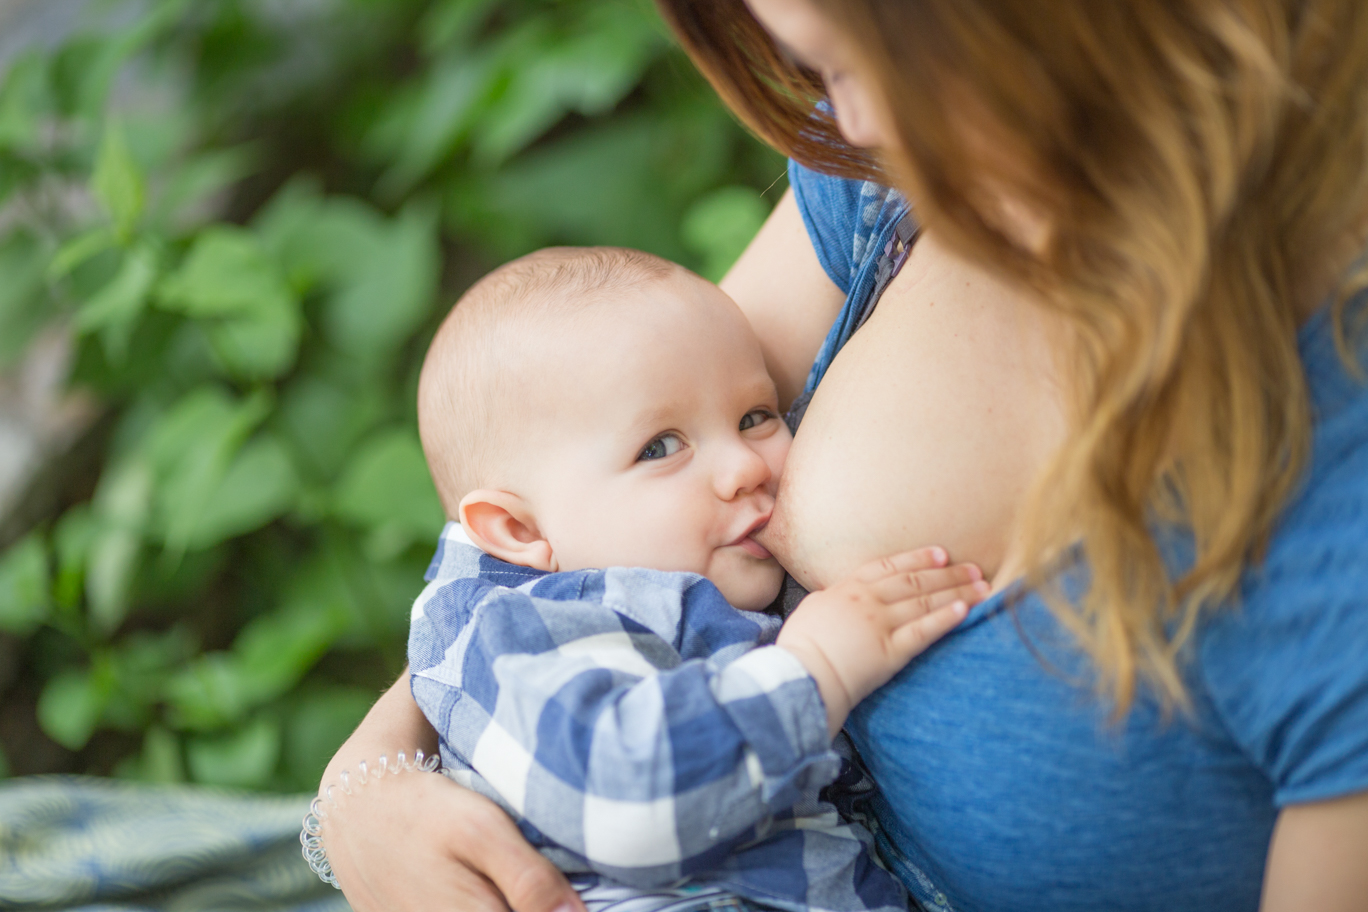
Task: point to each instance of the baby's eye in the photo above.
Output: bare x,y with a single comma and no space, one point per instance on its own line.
755,418
662,446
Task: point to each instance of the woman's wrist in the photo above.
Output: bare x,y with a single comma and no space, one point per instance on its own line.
346,783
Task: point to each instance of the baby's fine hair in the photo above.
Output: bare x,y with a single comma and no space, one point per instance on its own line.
469,384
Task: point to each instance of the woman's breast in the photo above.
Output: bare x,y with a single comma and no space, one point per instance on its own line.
929,428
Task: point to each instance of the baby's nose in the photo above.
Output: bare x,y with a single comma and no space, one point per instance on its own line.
743,471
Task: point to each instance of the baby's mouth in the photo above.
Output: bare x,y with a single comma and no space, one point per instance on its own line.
755,549
752,547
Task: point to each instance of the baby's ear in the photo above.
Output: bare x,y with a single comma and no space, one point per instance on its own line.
501,525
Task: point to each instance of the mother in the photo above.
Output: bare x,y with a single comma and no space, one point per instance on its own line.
1118,371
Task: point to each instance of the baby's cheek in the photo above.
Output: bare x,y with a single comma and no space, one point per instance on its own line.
747,584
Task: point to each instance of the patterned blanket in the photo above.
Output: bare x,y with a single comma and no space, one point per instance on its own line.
99,844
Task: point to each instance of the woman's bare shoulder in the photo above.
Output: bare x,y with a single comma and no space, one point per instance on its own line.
787,296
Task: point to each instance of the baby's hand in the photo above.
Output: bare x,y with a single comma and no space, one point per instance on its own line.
857,634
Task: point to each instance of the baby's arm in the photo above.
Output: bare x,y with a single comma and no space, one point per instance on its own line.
856,635
589,723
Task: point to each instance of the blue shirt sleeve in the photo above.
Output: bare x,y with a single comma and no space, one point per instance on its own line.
621,713
830,210
1287,670
849,223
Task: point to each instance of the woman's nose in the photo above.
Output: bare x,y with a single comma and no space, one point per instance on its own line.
741,471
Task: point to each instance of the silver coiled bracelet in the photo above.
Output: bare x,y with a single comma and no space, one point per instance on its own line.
309,836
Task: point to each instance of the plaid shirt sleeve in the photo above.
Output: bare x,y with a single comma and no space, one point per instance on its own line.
628,715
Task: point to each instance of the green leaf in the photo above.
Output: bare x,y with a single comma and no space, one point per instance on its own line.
24,100
245,758
142,660
15,173
269,656
160,760
253,318
70,706
24,586
386,488
276,649
85,66
197,180
257,346
109,577
285,228
610,184
210,692
71,540
383,295
82,71
381,273
720,226
453,23
22,292
80,249
319,724
323,420
115,308
258,486
455,94
588,70
117,183
137,667
190,450
112,544
161,756
124,497
225,274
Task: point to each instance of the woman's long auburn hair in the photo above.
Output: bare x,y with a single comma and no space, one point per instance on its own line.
1203,168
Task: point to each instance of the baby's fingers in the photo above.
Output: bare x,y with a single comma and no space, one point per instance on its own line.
924,583
904,562
912,638
907,610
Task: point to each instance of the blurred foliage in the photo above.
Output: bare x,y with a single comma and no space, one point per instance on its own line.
250,216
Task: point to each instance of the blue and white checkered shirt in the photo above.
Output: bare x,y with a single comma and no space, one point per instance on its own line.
638,727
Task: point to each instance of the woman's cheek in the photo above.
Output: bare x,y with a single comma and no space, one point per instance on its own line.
856,114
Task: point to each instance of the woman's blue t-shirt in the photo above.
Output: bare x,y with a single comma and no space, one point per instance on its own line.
1003,784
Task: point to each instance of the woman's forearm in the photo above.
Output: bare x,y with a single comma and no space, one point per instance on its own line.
394,723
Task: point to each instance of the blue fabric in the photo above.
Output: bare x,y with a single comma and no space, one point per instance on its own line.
865,215
78,843
638,727
1003,784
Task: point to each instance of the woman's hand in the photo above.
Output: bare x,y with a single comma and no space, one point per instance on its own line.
412,840
416,840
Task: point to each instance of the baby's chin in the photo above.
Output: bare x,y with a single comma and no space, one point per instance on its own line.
750,588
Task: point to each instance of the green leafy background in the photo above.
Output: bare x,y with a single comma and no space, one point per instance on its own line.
250,216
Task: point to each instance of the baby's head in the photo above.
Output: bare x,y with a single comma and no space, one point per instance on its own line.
603,407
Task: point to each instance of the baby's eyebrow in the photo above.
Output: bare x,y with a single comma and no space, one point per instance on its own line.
761,390
653,419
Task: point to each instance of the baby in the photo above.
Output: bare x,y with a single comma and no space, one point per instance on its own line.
591,646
